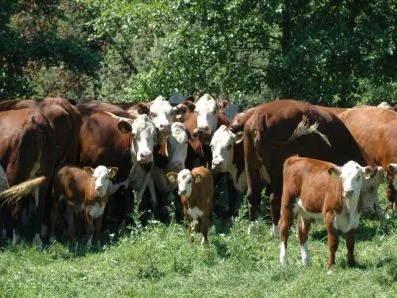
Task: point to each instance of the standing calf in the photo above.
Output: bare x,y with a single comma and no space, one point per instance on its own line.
319,191
84,190
196,189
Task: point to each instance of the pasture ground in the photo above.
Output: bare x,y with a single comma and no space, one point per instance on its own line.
159,261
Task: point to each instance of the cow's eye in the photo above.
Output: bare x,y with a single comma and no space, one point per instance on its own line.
229,147
153,114
214,112
358,178
189,181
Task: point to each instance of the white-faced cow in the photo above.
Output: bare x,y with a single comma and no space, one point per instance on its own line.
85,190
321,191
196,189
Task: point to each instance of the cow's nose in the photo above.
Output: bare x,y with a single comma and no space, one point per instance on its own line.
146,155
165,127
349,193
181,192
205,128
216,163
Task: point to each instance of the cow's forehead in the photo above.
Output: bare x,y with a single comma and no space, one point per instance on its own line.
143,123
205,104
184,175
160,104
351,167
100,171
178,132
222,136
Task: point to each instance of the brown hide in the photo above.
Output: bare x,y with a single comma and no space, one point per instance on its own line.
309,180
266,146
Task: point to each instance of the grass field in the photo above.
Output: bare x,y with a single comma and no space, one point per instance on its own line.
159,261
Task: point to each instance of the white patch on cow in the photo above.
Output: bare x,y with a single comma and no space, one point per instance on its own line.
37,242
369,194
97,210
206,109
222,148
283,254
101,177
144,132
352,175
194,212
305,253
177,144
161,113
275,230
384,105
15,237
299,207
185,181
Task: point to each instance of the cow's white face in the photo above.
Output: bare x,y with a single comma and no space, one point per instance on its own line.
177,146
222,148
102,176
161,115
185,181
369,191
143,138
352,175
206,109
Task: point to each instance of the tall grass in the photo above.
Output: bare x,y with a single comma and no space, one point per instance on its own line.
159,261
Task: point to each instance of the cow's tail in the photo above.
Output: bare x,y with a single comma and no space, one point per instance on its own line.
16,192
304,128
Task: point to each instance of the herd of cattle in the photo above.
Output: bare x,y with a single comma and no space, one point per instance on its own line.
324,162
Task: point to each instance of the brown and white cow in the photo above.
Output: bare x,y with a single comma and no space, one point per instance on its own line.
196,189
85,190
27,155
268,143
321,191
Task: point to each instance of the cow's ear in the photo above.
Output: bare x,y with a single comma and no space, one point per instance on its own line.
143,109
190,105
124,126
89,170
334,172
392,168
172,177
197,178
113,172
368,172
239,137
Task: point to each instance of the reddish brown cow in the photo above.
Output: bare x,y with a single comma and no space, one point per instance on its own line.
27,153
267,143
374,129
84,190
64,117
319,191
196,189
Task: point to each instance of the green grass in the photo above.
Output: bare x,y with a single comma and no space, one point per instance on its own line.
159,261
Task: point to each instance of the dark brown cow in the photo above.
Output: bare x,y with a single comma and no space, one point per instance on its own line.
374,129
27,153
267,143
85,190
321,191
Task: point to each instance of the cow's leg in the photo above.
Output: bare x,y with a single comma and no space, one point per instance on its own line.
15,211
40,195
98,229
89,224
303,235
70,221
286,220
53,216
350,241
333,241
232,193
275,204
204,224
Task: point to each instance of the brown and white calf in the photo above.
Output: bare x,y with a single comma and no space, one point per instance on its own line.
196,189
84,190
321,191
